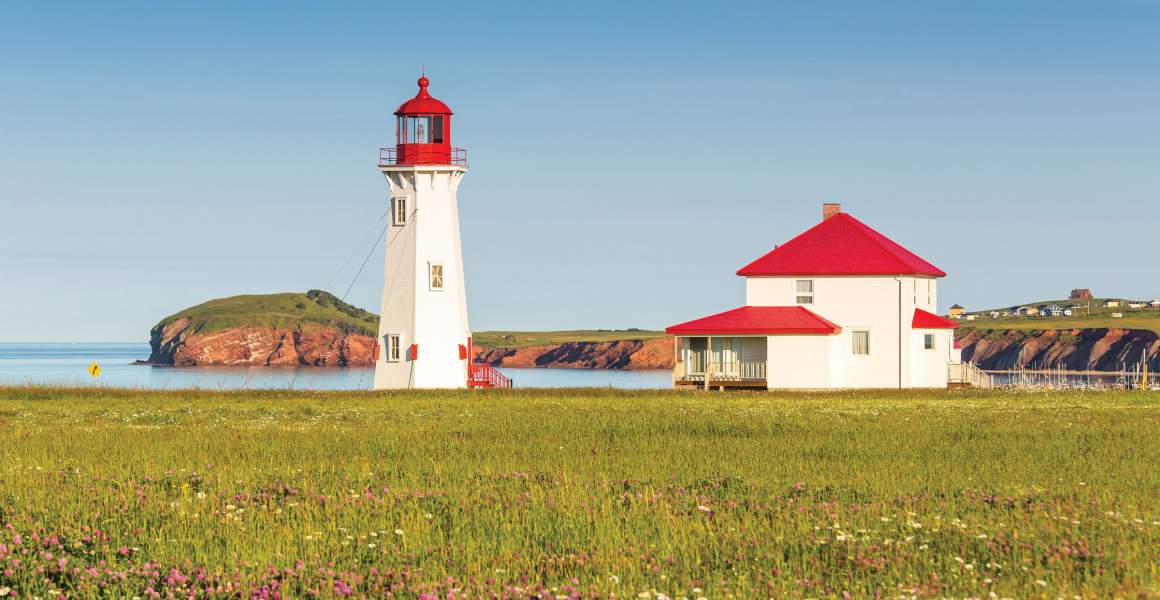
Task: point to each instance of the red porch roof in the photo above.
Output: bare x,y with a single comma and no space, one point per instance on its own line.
926,320
758,320
840,245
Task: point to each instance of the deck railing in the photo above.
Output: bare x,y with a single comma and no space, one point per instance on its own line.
969,374
389,157
743,370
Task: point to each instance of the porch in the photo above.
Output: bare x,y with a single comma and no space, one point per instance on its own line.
711,362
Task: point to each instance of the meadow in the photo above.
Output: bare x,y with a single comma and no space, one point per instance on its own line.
578,493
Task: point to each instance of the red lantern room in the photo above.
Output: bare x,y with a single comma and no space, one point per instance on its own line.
423,133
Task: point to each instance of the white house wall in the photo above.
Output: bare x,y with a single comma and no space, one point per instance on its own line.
798,361
929,367
882,305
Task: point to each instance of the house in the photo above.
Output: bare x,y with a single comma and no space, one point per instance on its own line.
995,314
969,317
1067,312
1154,304
957,312
1026,311
1051,310
1117,315
1136,305
1112,303
1080,294
838,306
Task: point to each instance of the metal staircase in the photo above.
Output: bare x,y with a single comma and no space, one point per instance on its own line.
482,375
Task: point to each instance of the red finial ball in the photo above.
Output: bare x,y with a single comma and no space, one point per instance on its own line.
424,82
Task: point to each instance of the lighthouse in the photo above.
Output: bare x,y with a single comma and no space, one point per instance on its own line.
424,339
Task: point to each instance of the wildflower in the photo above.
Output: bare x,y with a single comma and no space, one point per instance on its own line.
428,516
201,495
398,532
614,579
1041,583
370,545
4,591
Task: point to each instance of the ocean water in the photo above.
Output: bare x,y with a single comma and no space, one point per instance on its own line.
67,364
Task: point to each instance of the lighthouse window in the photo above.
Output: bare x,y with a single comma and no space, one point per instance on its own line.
400,211
393,348
436,130
436,277
418,130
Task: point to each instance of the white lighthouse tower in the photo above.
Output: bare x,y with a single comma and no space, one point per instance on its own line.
424,340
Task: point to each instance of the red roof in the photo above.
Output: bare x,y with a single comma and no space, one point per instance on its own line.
758,320
840,245
926,320
423,103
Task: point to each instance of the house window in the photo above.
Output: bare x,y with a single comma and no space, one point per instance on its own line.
861,343
400,211
928,341
394,348
929,294
805,291
436,277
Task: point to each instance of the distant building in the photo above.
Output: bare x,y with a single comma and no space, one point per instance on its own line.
1154,304
1067,312
1136,305
1026,311
995,314
1112,303
1080,294
957,311
1051,310
1117,315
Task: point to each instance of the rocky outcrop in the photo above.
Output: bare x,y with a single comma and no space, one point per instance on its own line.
1067,349
627,354
177,344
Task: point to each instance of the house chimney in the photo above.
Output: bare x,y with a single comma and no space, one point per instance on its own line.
830,209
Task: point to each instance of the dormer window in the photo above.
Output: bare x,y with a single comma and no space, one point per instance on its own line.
805,291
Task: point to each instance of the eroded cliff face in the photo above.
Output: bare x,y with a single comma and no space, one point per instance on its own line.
628,354
176,344
1068,349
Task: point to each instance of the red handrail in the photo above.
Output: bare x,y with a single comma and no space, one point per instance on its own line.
389,157
485,375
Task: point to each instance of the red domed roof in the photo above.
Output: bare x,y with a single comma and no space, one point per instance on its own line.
423,103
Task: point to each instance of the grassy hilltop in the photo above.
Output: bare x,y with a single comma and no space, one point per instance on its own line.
579,493
277,311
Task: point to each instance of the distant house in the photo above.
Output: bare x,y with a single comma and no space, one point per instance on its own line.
1154,304
1136,305
995,314
1027,311
1051,310
969,317
1117,315
1112,303
1067,312
1080,294
957,311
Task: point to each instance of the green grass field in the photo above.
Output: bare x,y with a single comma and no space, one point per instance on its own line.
579,493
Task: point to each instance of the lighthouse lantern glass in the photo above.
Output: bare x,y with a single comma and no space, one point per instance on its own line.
421,129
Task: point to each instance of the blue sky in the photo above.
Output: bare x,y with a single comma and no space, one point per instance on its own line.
626,158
